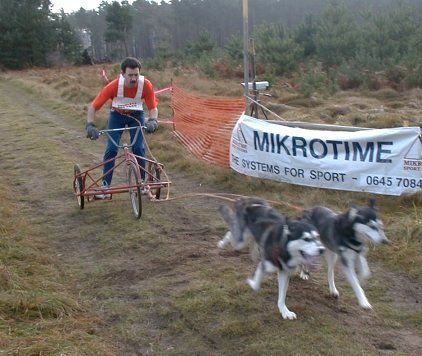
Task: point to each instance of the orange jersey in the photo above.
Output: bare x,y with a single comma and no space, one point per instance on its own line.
110,91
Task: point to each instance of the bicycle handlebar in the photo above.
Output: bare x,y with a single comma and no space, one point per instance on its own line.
107,132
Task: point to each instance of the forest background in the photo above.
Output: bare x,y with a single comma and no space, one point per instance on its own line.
326,45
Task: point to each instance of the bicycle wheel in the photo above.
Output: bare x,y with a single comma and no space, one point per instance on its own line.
78,186
134,191
154,176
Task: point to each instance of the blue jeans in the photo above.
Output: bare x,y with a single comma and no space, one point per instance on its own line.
118,121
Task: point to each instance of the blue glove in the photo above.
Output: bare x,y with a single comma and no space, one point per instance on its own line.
92,131
151,125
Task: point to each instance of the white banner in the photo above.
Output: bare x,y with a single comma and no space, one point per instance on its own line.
382,161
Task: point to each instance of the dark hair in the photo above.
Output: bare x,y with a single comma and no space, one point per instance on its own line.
130,62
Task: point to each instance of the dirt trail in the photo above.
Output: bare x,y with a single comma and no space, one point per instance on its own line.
137,273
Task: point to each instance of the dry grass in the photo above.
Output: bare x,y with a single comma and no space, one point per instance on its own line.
38,313
402,216
349,108
161,285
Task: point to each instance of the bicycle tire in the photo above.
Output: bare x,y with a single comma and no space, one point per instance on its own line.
135,196
78,186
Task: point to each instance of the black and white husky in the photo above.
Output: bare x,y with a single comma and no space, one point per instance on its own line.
283,244
347,235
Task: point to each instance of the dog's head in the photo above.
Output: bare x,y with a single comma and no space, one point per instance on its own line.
303,244
366,223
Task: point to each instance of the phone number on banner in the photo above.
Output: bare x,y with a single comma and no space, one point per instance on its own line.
398,182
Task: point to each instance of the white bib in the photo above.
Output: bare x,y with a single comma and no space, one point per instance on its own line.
122,103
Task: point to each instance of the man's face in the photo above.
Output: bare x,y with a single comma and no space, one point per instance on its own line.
131,77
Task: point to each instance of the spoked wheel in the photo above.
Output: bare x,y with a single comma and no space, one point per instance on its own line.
154,176
134,191
78,186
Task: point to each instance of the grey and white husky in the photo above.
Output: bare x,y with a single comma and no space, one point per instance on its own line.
283,244
347,235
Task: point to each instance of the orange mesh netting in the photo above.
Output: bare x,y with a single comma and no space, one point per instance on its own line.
204,124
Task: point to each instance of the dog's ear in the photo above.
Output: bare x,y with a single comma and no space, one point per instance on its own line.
306,215
352,213
372,204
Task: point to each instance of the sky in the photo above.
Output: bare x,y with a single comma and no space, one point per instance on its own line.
74,5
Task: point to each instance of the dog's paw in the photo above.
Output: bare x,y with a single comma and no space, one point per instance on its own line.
304,275
365,305
286,313
334,294
225,240
221,244
252,284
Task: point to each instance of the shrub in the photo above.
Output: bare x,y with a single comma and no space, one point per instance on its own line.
373,82
223,69
277,50
413,79
206,66
348,77
313,81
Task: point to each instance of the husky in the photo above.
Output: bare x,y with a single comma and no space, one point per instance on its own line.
347,235
283,244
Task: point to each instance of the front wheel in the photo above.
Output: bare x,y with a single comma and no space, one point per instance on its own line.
78,186
134,191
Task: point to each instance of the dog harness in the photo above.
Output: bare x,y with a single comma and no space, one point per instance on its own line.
275,249
353,244
274,252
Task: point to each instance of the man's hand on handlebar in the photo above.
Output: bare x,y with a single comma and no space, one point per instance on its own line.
92,131
151,125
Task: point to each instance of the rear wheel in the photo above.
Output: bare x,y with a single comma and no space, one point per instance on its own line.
134,191
78,186
154,176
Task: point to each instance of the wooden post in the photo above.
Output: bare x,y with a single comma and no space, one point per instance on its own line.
246,52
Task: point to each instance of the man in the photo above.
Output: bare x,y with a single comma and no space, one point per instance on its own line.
127,92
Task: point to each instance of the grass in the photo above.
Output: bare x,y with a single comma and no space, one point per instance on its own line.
158,285
403,227
38,313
